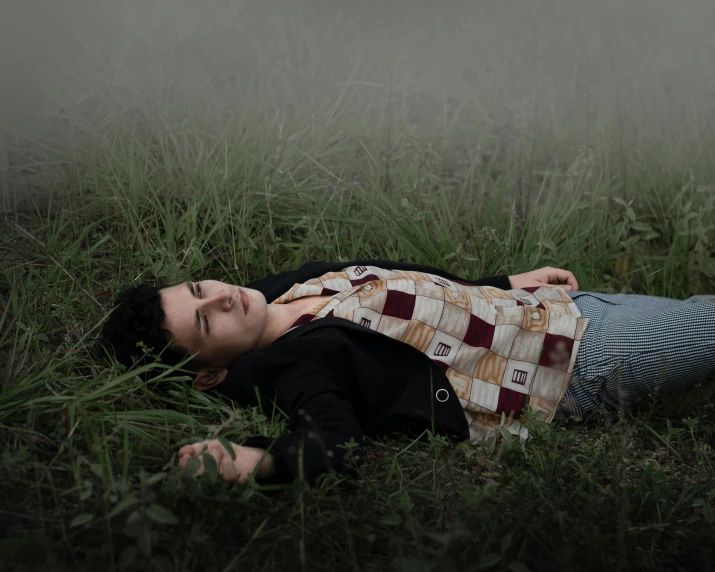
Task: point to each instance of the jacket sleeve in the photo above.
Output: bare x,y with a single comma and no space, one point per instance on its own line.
274,286
501,281
320,415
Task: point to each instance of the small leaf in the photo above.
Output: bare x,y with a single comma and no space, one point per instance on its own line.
192,466
505,543
516,566
630,213
96,468
391,519
548,243
620,201
101,241
81,519
87,492
708,513
406,203
698,502
651,235
450,255
161,515
621,266
155,478
134,518
210,467
641,226
228,446
122,505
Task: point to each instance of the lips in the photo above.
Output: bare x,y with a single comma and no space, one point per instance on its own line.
244,302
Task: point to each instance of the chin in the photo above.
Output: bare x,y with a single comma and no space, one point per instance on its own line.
258,300
257,295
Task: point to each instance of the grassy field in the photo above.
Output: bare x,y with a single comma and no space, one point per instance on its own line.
88,475
115,194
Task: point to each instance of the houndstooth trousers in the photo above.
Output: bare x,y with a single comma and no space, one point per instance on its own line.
635,346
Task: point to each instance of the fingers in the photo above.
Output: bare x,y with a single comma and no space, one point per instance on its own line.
198,450
191,450
567,278
228,469
549,277
560,277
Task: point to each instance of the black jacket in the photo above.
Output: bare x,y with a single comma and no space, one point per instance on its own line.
335,380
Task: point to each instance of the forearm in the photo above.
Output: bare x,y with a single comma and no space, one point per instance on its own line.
306,453
320,413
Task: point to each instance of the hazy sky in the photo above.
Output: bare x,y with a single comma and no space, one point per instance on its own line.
493,56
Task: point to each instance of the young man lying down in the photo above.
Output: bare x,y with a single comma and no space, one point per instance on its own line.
374,347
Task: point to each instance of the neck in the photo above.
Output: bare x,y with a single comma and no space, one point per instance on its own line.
282,316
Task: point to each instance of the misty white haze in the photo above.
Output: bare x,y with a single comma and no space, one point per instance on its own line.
458,66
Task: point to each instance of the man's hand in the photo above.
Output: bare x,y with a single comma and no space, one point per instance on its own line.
235,470
545,277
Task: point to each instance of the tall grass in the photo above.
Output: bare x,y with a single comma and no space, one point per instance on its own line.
89,474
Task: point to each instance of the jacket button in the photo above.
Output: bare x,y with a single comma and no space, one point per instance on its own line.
368,287
535,315
442,395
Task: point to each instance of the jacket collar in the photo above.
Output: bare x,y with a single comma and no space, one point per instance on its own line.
326,322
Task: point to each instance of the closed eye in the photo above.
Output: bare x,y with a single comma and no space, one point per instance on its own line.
198,289
206,325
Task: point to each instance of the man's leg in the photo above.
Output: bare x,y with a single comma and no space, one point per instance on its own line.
635,346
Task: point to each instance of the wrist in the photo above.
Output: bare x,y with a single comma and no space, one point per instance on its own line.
266,465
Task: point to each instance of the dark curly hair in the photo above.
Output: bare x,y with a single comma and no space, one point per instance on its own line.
137,316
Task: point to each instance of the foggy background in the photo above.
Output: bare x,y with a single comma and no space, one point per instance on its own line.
565,69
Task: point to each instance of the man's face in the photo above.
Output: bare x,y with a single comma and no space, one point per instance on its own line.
219,321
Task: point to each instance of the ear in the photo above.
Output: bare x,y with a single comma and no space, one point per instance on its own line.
209,377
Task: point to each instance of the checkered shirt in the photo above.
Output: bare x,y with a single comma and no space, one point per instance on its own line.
500,349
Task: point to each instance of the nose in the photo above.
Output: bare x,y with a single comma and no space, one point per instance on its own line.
221,300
